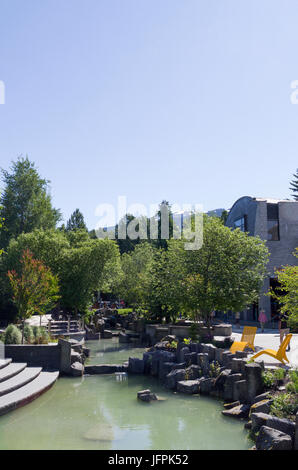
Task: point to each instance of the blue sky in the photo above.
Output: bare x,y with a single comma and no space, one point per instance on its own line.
184,100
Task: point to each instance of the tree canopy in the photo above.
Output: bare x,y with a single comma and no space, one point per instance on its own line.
26,203
79,262
76,221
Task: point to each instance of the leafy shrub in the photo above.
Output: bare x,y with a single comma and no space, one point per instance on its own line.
284,405
279,373
292,386
271,378
40,335
12,335
28,334
268,379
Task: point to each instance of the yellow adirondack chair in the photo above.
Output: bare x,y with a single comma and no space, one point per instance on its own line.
280,355
247,339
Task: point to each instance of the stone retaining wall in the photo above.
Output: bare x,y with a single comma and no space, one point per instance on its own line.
39,355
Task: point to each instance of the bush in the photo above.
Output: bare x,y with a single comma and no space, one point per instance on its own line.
40,335
284,405
28,334
271,378
12,335
292,386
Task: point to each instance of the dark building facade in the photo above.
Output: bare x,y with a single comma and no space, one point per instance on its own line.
275,221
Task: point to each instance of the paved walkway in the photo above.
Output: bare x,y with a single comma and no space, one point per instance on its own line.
270,339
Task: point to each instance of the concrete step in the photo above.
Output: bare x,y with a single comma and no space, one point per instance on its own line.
11,370
19,380
28,393
4,363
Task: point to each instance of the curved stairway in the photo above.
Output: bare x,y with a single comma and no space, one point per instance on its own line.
19,384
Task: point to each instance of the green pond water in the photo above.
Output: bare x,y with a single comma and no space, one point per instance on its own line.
102,412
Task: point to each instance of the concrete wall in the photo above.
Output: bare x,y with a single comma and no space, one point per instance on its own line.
49,357
280,250
40,355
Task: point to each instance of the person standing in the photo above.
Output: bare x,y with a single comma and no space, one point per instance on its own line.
262,319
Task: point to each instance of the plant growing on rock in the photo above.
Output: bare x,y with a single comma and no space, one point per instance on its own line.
214,369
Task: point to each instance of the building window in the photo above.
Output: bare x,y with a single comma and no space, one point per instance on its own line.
241,223
272,222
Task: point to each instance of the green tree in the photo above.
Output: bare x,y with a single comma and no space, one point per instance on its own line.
126,245
294,185
134,279
80,263
225,274
35,288
76,221
287,292
26,203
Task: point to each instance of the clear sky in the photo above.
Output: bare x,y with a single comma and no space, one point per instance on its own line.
184,100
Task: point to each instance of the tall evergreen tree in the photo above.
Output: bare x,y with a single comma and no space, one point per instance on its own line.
26,203
76,221
294,185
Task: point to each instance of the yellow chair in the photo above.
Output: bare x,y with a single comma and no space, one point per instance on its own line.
247,339
280,355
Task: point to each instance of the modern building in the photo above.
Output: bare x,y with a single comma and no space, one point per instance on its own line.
275,221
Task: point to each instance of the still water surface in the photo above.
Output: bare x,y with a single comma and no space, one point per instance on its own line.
102,412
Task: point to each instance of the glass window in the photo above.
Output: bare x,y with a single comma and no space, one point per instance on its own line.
273,230
241,223
273,222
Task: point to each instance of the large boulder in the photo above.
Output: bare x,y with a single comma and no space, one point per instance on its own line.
174,377
135,365
203,362
229,386
146,396
272,439
193,372
191,358
258,420
189,386
77,369
221,379
164,369
181,353
240,411
262,406
282,424
240,391
206,385
253,374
